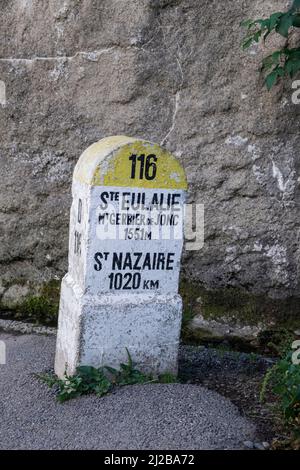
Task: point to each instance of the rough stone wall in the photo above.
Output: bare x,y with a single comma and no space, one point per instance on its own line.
167,71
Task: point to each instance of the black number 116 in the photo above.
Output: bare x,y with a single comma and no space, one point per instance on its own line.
147,166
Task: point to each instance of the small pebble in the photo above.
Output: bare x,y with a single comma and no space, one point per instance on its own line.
249,444
266,445
259,446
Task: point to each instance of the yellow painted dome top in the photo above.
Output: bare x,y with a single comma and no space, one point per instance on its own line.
129,162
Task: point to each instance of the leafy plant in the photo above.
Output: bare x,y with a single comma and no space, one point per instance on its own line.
284,380
100,381
187,318
285,61
167,378
127,374
40,309
87,380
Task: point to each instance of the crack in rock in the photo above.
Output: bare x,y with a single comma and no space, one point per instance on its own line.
177,100
176,105
90,55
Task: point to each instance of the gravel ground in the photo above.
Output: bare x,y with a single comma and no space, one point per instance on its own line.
17,326
153,416
237,376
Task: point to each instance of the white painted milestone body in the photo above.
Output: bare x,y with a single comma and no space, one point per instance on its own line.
126,237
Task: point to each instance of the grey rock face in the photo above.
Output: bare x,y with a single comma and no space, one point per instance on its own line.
168,71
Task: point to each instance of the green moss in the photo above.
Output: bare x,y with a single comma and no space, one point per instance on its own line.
280,317
198,336
189,292
276,341
51,290
187,317
41,308
238,304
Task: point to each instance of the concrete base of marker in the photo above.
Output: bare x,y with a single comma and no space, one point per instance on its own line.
96,330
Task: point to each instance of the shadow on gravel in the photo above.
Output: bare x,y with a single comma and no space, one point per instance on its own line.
237,376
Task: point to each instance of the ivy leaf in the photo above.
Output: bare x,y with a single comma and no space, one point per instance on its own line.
296,5
271,79
285,22
292,67
247,43
274,19
276,56
256,36
296,21
293,53
266,35
267,62
289,68
284,62
264,24
280,71
271,60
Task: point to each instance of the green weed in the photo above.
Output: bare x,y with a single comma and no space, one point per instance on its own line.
100,380
283,379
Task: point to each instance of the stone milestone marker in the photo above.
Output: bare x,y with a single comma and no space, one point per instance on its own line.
126,237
